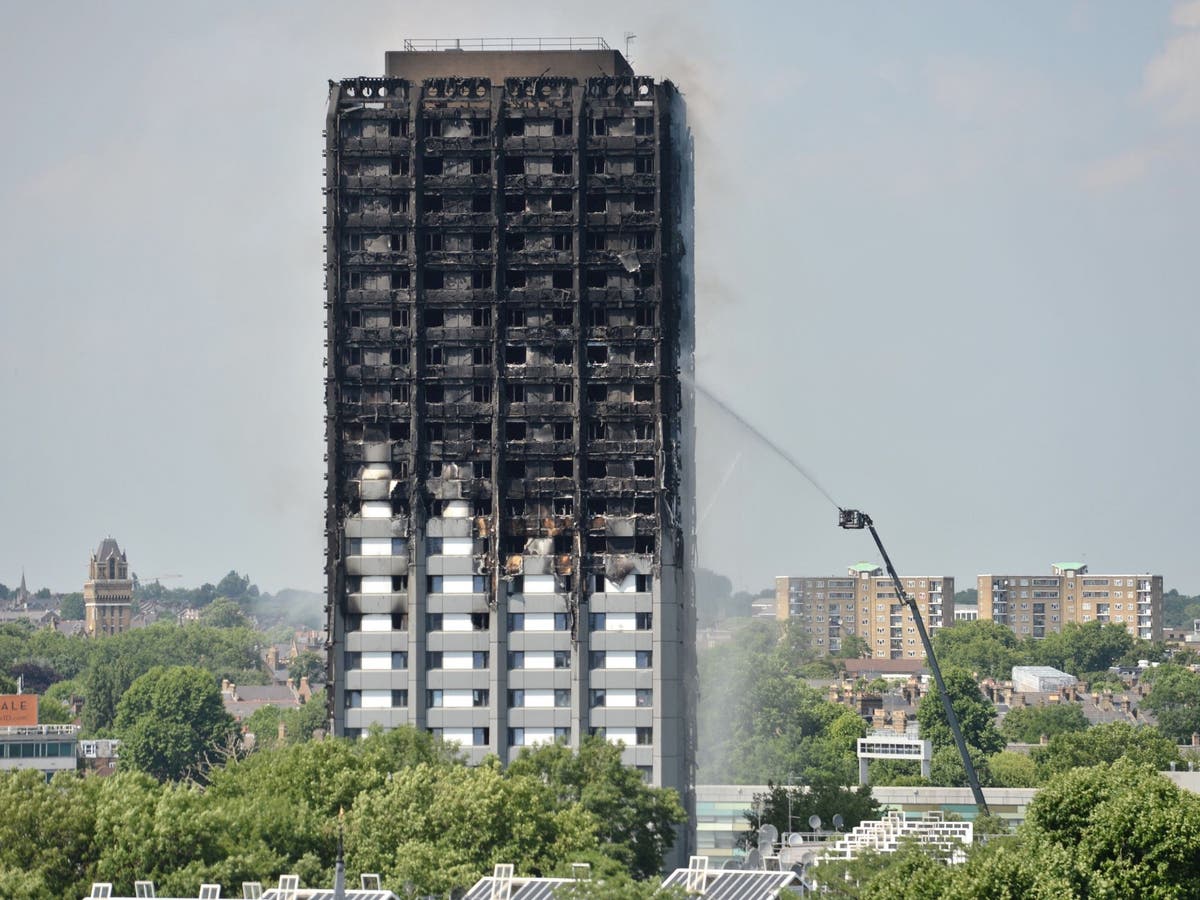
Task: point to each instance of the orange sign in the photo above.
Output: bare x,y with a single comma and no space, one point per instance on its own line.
18,709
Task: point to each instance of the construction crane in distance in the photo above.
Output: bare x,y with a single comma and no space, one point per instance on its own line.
856,520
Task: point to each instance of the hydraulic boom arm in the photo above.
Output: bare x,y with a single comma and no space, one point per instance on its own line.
853,518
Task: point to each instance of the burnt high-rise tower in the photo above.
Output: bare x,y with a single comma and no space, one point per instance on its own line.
510,479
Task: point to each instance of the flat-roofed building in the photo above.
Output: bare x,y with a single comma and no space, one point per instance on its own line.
864,603
1037,605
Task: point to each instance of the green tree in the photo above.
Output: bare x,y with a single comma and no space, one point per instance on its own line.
233,586
853,647
115,662
1174,699
307,664
170,719
983,647
759,719
1027,724
46,833
1128,831
437,828
223,613
946,768
1083,649
1105,743
976,715
1012,770
71,606
637,822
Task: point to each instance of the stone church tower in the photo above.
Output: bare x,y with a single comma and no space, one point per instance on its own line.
108,592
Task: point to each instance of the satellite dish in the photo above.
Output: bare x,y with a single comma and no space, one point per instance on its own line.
795,839
754,860
731,865
838,821
814,822
767,834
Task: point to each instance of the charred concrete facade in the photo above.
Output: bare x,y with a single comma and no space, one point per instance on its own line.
509,414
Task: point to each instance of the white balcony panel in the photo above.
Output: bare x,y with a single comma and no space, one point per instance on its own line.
377,509
539,699
620,659
620,699
456,622
376,546
458,584
628,735
620,621
626,585
376,622
457,546
538,584
458,659
376,699
377,660
539,659
539,621
377,584
457,699
456,509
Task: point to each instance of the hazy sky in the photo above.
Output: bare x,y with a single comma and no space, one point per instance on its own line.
947,255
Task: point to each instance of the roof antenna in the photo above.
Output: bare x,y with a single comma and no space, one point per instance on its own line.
629,38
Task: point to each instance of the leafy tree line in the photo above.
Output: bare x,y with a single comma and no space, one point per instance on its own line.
760,721
414,812
1072,743
236,593
990,650
1109,830
1180,610
100,670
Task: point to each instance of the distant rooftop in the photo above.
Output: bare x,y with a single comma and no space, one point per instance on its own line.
500,58
864,567
1071,567
510,44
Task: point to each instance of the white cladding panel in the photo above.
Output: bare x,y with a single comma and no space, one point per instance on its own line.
376,546
376,622
376,699
458,584
457,546
538,736
539,621
620,621
628,735
464,736
456,622
539,699
376,509
538,584
620,659
627,585
456,509
458,659
377,659
620,698
539,659
377,584
457,699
